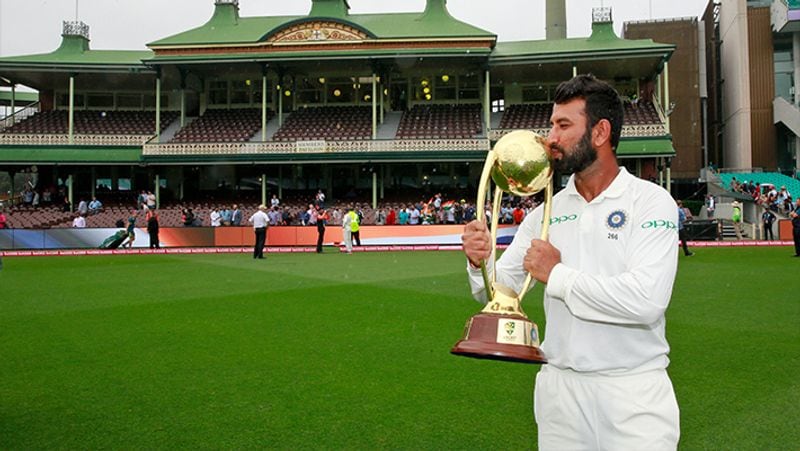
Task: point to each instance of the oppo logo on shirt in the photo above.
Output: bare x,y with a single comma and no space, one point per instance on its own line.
562,219
659,224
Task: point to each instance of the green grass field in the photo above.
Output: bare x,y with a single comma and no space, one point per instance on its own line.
306,351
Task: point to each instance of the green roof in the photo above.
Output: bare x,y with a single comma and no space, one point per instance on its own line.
601,43
74,51
225,27
645,147
70,154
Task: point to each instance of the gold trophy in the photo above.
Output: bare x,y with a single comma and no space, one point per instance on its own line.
519,164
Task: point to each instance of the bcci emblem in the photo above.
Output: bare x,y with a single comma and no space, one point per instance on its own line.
510,325
616,220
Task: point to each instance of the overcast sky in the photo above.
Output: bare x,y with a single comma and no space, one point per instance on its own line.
34,26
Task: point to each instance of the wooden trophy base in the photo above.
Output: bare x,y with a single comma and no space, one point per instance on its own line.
511,338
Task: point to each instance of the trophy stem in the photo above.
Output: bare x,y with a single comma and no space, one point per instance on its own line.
548,202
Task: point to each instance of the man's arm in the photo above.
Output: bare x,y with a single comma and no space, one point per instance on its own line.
641,293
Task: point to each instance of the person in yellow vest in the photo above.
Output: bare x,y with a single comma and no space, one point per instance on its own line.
355,225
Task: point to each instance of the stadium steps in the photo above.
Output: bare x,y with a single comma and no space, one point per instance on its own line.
173,128
272,128
391,122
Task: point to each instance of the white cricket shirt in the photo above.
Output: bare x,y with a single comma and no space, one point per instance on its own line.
605,301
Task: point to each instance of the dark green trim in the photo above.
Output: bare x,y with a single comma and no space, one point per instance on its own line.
70,154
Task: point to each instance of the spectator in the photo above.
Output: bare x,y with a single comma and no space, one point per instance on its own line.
95,206
274,216
795,215
402,216
260,223
736,217
355,226
131,230
79,222
347,229
322,218
767,218
150,200
216,218
391,217
226,216
236,216
710,205
3,219
152,229
83,207
285,217
187,217
319,199
274,202
27,197
311,215
682,229
413,215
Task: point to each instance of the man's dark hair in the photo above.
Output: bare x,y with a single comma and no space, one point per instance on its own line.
602,102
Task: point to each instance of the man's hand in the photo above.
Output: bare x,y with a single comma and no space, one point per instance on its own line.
477,242
540,260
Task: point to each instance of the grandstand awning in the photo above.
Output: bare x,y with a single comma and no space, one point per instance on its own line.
20,98
69,155
645,147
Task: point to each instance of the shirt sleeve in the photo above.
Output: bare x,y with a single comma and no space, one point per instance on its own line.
641,292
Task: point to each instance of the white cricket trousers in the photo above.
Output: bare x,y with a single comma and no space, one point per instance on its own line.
348,240
575,411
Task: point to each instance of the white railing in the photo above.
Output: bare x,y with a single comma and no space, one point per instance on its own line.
80,140
19,115
250,148
628,131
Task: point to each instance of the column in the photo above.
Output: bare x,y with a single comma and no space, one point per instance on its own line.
280,101
665,105
374,106
574,71
94,181
374,189
13,103
183,106
264,106
263,188
157,191
487,106
71,114
382,108
158,107
70,193
669,175
280,182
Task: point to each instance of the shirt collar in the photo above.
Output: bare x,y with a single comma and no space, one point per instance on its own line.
615,189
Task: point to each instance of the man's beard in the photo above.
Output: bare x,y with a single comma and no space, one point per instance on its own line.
579,157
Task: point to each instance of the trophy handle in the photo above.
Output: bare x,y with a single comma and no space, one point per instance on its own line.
483,186
548,204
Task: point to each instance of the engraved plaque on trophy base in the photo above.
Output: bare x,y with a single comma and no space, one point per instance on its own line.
493,336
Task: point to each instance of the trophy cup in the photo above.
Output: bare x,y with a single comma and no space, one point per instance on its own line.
518,164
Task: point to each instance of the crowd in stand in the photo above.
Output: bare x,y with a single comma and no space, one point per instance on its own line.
765,195
50,207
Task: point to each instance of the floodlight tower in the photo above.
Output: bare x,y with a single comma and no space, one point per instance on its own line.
555,19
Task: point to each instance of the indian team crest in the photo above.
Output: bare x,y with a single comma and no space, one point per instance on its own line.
617,220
